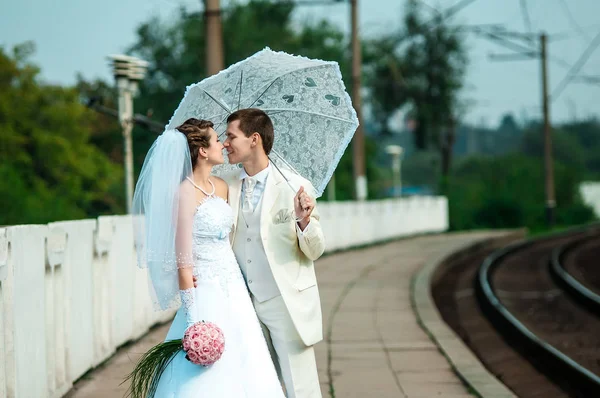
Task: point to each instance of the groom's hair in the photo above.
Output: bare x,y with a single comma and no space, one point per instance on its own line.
253,120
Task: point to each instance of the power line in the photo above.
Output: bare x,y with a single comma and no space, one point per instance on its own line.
222,9
448,12
500,36
432,8
526,19
572,20
586,79
498,39
561,62
576,67
95,103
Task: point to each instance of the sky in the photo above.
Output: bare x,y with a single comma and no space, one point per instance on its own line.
75,36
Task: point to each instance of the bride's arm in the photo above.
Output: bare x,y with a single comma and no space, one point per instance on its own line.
183,247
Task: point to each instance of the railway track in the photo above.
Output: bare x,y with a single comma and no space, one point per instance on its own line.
538,336
577,268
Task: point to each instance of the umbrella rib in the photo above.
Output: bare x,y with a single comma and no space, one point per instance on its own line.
283,175
218,115
282,159
219,125
217,101
304,68
240,94
280,110
263,93
235,91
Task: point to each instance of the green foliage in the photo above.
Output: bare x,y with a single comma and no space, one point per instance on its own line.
508,192
61,161
176,52
419,68
50,171
566,148
344,174
422,168
105,133
587,133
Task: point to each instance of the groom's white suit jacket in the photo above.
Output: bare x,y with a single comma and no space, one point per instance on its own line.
289,252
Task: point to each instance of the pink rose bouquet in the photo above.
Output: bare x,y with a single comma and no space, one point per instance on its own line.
203,343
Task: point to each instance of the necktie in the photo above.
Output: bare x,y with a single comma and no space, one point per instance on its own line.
249,184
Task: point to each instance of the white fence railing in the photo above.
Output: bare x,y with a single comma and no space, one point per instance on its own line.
590,192
70,293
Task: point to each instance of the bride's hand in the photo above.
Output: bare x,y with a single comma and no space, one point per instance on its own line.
195,281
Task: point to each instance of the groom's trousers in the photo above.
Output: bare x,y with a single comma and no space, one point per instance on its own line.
295,362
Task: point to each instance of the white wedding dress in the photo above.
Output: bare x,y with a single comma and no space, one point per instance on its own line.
221,297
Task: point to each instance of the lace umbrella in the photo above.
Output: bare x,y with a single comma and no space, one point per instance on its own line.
306,98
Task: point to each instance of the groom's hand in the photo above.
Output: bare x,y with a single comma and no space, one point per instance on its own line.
303,205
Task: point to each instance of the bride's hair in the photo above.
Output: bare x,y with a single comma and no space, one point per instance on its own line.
198,136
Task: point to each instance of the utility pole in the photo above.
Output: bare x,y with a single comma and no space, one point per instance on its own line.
525,52
358,142
548,160
128,71
214,37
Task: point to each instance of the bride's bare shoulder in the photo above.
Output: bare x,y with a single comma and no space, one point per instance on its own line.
221,187
186,187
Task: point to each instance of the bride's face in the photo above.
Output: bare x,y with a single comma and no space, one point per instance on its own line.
215,151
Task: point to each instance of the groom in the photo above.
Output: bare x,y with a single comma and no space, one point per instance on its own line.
276,238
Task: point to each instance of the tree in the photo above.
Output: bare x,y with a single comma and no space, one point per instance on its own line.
420,69
176,51
50,171
587,133
508,135
508,191
565,147
106,132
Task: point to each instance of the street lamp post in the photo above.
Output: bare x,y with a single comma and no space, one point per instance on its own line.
128,71
396,151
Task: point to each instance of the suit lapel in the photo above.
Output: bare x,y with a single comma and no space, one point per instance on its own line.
235,191
270,195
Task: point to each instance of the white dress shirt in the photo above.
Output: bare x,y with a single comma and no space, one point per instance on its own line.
259,189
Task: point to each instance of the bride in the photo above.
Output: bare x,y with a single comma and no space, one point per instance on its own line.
182,222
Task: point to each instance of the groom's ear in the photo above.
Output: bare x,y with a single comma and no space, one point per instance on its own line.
256,141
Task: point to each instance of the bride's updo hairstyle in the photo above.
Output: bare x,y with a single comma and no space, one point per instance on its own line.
198,136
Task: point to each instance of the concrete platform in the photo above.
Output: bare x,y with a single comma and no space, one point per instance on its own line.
374,346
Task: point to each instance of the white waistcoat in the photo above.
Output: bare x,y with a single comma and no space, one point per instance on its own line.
250,254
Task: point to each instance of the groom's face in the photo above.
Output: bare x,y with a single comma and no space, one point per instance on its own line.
237,144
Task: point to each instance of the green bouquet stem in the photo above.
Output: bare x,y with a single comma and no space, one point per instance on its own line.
146,375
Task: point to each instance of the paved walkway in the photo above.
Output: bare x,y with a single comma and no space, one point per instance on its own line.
373,345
